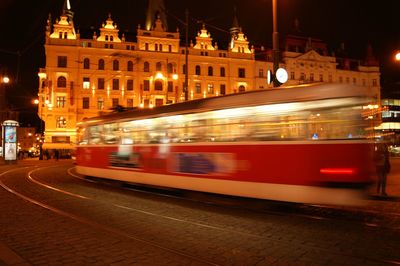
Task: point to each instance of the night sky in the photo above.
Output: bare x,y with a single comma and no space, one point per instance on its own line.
353,22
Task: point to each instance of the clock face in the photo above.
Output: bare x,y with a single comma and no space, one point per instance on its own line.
281,75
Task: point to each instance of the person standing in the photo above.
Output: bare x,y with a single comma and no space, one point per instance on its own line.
382,167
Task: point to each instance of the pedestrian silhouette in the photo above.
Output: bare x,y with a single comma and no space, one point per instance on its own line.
382,166
56,154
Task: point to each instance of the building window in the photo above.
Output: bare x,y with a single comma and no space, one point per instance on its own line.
115,65
101,64
292,75
115,84
146,85
61,101
158,85
62,61
170,68
146,67
111,38
330,78
130,66
100,103
312,77
198,70
261,73
129,85
146,46
302,76
61,122
61,82
198,87
86,83
115,102
210,71
170,86
222,89
129,102
158,66
86,63
354,81
170,48
160,47
210,88
222,71
156,47
321,77
347,80
242,88
100,83
241,72
363,82
374,82
85,102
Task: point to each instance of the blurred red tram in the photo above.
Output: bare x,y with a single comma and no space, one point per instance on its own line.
308,144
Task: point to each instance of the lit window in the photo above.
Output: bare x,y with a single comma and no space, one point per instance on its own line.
61,122
86,83
61,101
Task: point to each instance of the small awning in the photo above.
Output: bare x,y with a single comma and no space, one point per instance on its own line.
60,146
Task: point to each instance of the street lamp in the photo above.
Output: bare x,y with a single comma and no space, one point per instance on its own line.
397,56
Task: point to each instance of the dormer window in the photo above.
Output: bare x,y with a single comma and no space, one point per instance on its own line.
106,38
65,35
111,38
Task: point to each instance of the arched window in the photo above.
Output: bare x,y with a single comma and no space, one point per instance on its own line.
130,66
61,82
198,70
242,88
146,67
170,68
222,71
86,63
115,65
158,85
158,66
101,64
210,71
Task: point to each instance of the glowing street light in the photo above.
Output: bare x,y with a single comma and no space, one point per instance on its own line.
397,56
6,79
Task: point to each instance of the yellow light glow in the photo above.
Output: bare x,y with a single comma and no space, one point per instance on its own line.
397,56
159,75
42,75
174,76
6,79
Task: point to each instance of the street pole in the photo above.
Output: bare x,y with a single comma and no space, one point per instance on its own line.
275,40
186,90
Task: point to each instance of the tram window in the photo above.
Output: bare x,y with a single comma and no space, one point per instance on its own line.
111,133
95,134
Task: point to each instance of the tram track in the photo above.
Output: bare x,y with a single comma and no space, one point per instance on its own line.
91,223
31,176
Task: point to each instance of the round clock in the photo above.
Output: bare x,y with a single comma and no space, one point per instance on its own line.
281,75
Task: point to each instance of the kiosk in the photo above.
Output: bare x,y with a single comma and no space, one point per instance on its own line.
9,141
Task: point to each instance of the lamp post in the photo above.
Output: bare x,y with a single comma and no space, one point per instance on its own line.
41,129
275,41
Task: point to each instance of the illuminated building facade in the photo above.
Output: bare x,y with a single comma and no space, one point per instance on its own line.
85,77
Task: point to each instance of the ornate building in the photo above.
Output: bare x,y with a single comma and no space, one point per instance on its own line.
84,77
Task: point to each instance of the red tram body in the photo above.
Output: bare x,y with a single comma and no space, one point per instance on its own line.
305,144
